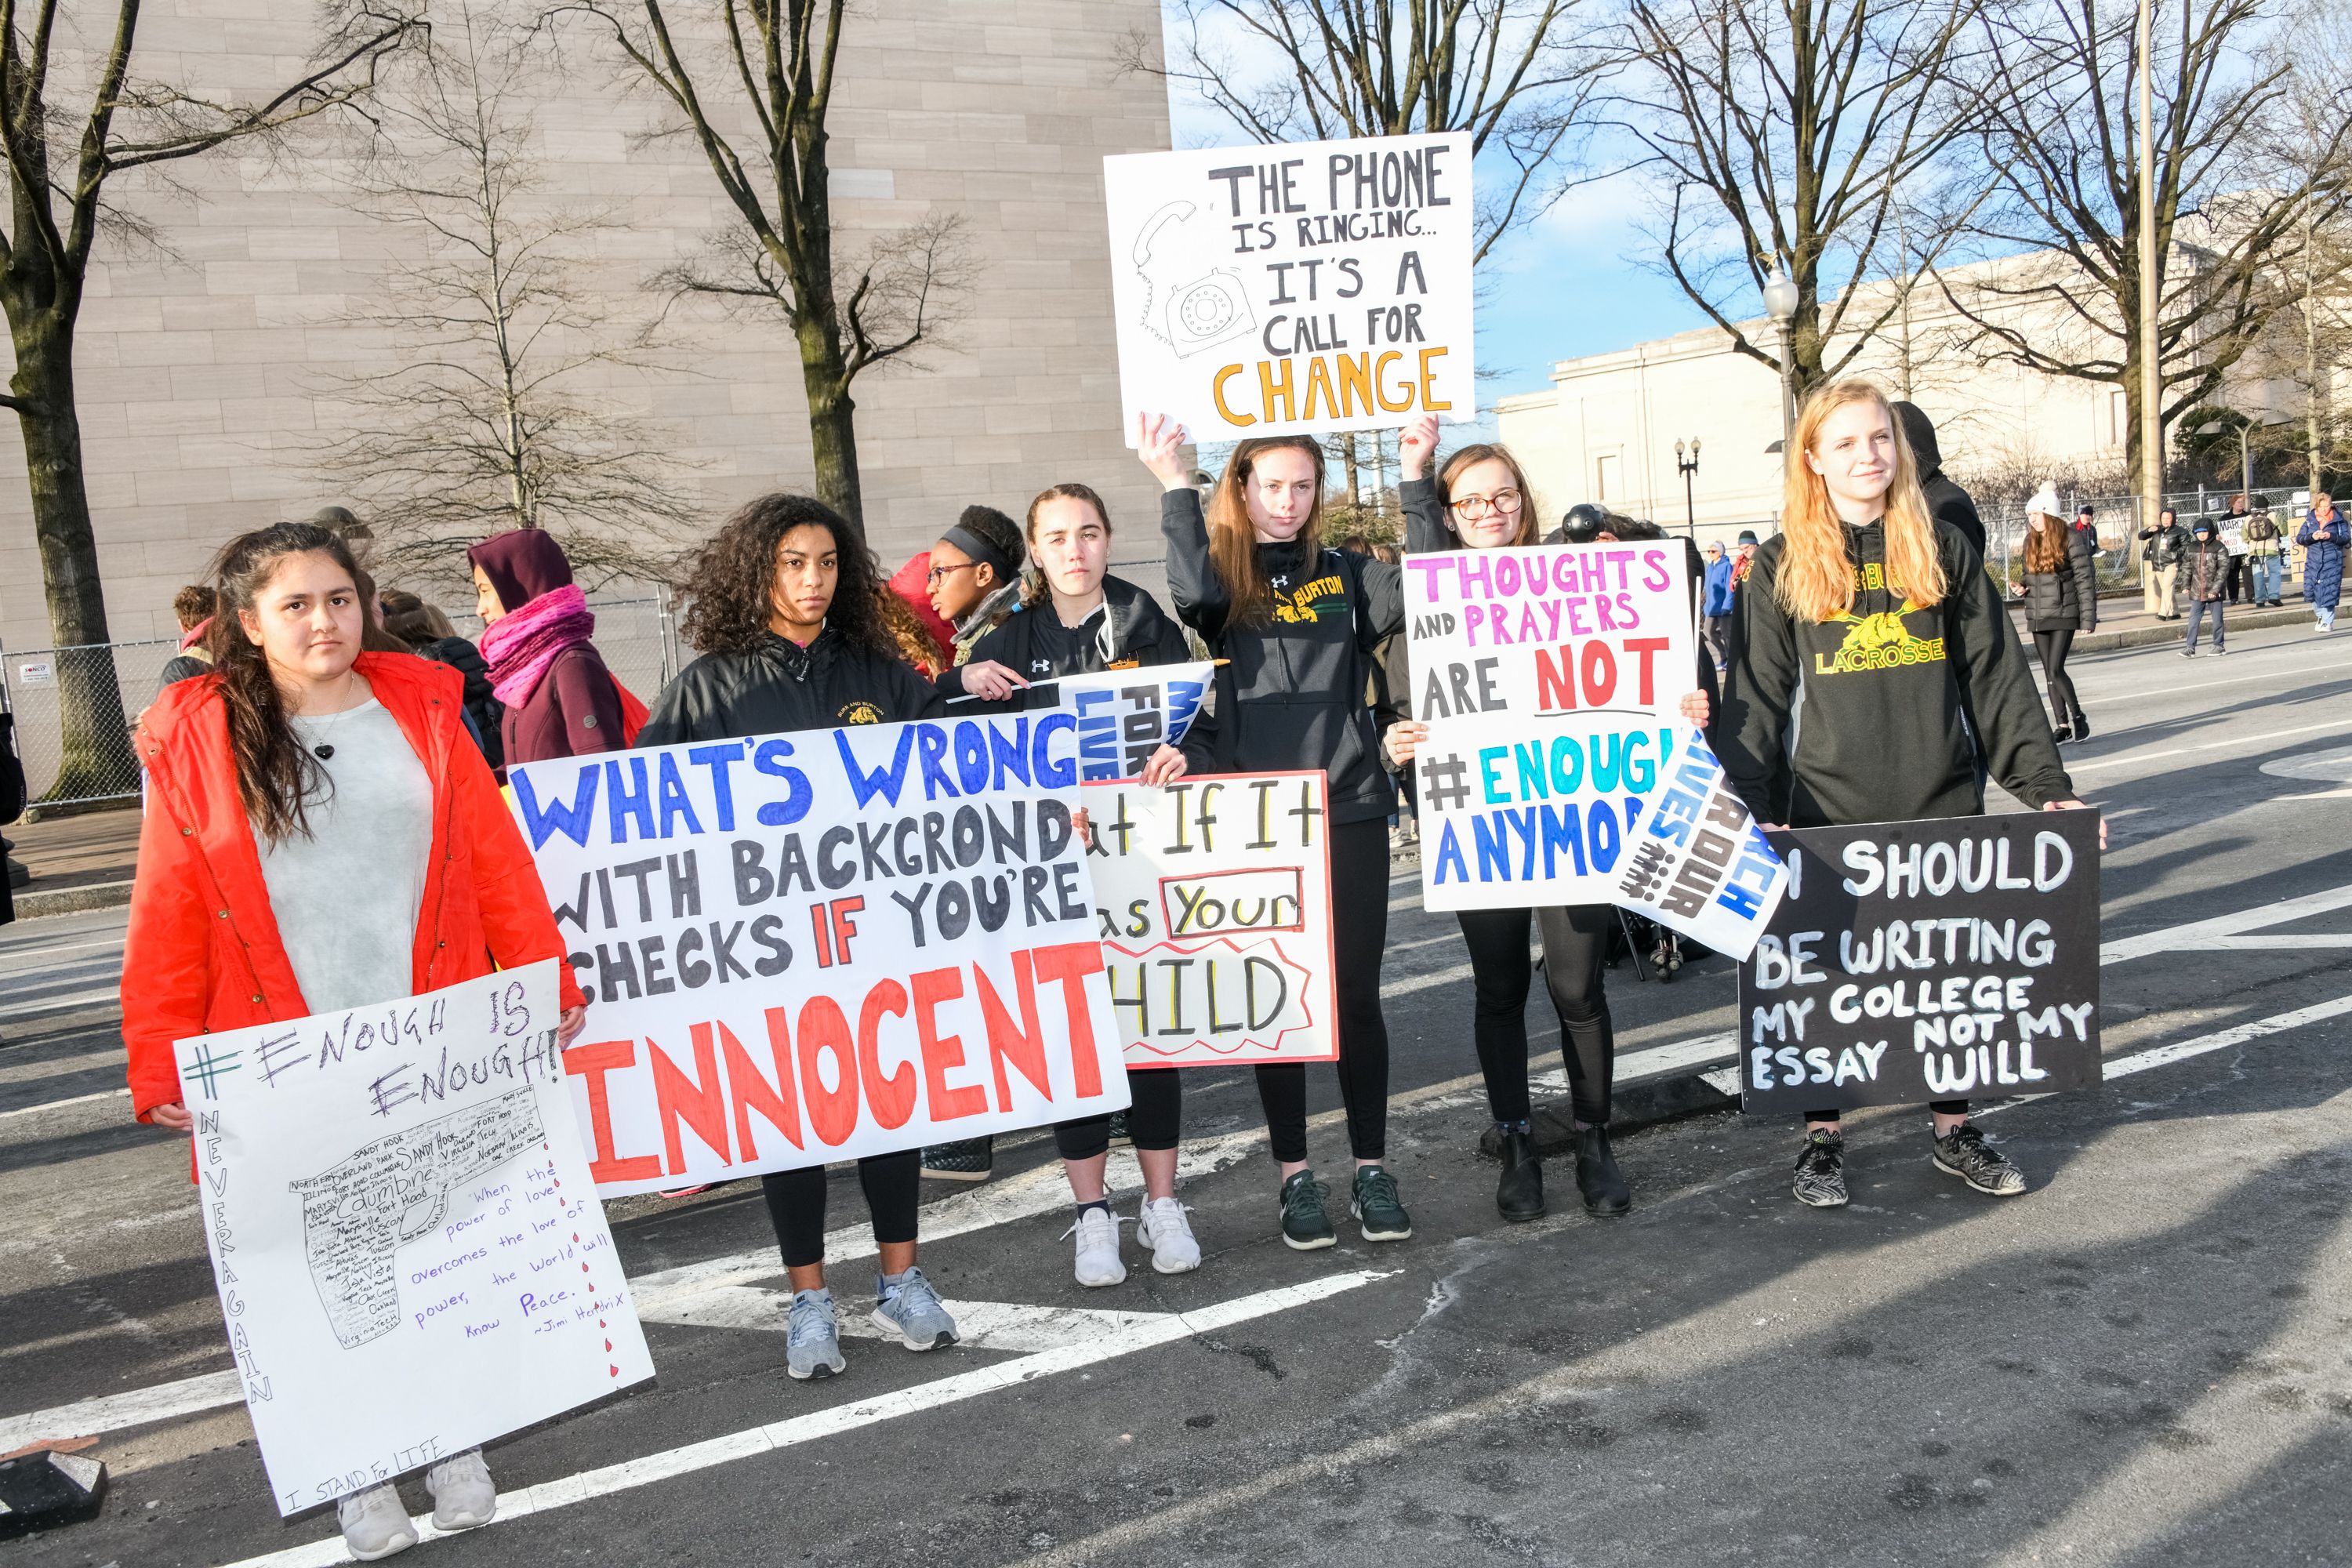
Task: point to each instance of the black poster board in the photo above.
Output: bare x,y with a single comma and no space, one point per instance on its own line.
1950,959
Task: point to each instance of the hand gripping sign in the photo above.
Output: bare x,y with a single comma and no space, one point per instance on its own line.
1303,286
818,946
1213,899
410,1254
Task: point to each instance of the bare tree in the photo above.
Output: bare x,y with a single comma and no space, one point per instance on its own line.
1803,138
493,415
2312,337
773,70
1508,71
75,116
2062,145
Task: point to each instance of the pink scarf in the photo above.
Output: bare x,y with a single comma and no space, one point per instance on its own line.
520,647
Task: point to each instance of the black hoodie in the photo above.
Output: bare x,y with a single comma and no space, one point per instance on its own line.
780,687
1292,694
1868,717
1138,632
1947,501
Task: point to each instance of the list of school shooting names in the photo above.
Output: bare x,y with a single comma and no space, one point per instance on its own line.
1922,960
818,946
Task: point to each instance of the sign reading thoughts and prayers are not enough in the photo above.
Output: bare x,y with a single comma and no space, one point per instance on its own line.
1296,287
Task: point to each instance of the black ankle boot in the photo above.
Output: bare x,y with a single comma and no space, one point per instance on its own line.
2082,728
1597,1175
1518,1195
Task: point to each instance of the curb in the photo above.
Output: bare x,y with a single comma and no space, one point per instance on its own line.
1647,1103
2173,631
33,906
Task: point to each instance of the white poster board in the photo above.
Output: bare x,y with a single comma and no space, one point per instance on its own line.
410,1254
813,947
1298,288
1214,899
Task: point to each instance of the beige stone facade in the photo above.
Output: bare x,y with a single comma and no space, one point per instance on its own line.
202,373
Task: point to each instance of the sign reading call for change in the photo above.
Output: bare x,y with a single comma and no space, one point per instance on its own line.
1915,961
1304,286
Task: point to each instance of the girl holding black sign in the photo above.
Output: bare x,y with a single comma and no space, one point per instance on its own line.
1298,624
1075,618
1882,628
785,613
1481,501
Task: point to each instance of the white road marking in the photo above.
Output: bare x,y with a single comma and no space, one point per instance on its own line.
2269,677
2198,1045
2239,743
136,1408
2329,767
57,1104
980,1325
2196,933
1157,1330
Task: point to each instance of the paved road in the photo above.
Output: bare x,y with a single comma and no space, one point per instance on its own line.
2141,1362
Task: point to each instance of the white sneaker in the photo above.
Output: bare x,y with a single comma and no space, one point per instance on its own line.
1097,1254
463,1495
374,1524
1162,1228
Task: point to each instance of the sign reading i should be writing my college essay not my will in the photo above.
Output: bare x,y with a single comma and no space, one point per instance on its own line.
1301,286
813,947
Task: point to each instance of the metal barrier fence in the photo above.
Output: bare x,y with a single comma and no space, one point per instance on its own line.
637,638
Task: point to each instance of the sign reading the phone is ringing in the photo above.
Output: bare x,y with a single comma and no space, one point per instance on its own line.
1310,286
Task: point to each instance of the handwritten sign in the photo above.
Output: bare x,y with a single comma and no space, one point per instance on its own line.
1918,960
1303,286
1125,715
1213,898
410,1254
1699,863
818,946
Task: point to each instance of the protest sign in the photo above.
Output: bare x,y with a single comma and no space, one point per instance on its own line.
1125,715
1302,286
1918,960
1699,863
1213,897
410,1254
824,945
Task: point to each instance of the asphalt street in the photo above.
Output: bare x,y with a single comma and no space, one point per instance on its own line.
2144,1360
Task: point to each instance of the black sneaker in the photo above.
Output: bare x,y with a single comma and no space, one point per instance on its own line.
1304,1225
1819,1181
1374,1205
968,1160
1965,1153
2082,728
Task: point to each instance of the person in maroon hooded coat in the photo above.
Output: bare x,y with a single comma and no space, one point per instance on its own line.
560,701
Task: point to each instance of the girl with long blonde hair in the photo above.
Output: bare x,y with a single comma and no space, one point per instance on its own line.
1880,626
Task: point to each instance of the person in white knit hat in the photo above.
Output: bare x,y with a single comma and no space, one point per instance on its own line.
2060,590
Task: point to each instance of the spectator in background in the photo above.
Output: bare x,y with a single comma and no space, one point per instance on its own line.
559,699
192,607
427,632
2161,548
2232,529
2205,572
2324,536
2265,555
2086,525
1743,561
1715,606
1947,501
2061,597
12,806
925,639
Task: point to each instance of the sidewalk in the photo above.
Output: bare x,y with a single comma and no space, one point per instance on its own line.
79,862
2124,624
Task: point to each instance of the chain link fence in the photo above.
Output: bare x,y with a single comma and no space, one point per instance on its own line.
2119,524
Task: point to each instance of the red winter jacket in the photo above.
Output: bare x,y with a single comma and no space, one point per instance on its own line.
204,953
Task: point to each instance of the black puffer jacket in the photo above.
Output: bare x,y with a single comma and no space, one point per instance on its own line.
2165,544
2205,569
779,686
2067,599
1293,692
1141,632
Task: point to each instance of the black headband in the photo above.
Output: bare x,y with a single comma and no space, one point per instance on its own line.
979,549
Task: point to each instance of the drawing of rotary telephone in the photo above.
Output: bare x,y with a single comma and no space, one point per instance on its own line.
1190,316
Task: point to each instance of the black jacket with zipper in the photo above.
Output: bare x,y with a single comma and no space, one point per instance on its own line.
2066,599
1868,717
779,686
1141,632
1292,694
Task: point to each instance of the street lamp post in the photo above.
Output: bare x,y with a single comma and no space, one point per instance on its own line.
2245,453
1780,304
1686,467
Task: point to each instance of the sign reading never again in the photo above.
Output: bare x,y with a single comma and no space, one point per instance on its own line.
1297,288
1214,902
824,945
1919,961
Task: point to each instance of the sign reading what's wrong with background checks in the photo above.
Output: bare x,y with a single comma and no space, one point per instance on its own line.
1297,288
819,946
1550,677
1915,961
410,1254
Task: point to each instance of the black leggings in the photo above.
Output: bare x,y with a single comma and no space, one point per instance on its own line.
2054,646
1359,931
796,1203
1941,1107
1151,1120
1575,939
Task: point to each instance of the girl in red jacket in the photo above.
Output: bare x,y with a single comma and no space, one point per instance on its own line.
320,833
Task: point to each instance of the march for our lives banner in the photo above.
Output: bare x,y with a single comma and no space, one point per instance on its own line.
1125,715
813,947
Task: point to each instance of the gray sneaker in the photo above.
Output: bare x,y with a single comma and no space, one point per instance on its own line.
1966,1154
463,1495
375,1523
912,1310
1820,1179
813,1336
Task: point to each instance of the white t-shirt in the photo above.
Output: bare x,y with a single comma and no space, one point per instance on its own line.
347,896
